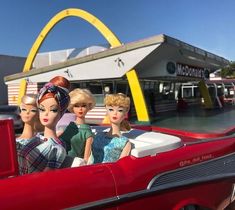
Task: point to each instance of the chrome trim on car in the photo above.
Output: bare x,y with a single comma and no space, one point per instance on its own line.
95,204
211,170
233,193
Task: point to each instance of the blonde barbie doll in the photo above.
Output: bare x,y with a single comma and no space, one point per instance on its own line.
78,135
111,146
30,117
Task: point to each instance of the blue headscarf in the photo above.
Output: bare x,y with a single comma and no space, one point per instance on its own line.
61,95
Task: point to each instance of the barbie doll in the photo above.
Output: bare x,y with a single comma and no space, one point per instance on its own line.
29,115
78,135
111,146
47,152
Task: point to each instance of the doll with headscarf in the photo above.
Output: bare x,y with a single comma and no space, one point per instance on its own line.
47,152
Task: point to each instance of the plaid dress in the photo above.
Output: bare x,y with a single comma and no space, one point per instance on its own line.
20,143
39,154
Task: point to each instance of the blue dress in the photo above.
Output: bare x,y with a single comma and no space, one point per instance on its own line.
107,149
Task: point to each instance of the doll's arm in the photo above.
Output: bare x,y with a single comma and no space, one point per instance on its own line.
126,150
88,146
59,132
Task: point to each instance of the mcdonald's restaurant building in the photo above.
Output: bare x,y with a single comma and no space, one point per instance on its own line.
149,71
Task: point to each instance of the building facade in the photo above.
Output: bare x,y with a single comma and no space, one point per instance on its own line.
161,63
9,65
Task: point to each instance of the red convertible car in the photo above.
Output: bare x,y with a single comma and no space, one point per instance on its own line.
167,169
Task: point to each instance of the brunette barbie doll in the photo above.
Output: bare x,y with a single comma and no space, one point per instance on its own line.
47,152
78,135
111,146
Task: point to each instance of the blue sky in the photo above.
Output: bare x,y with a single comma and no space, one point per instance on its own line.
208,24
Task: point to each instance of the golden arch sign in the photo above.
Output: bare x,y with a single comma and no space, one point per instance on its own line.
136,91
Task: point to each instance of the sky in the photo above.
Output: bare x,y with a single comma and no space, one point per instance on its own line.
207,24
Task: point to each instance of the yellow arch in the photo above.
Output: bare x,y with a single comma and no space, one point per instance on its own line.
140,105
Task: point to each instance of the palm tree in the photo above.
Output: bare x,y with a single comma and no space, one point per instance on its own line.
228,71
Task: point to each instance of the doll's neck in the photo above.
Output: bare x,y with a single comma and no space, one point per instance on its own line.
28,131
50,133
80,121
115,129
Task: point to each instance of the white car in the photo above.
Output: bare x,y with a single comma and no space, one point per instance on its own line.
11,112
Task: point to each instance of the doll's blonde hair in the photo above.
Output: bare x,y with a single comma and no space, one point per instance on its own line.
31,99
119,99
80,96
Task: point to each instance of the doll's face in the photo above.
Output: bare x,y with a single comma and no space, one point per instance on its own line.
28,113
116,114
49,112
80,109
